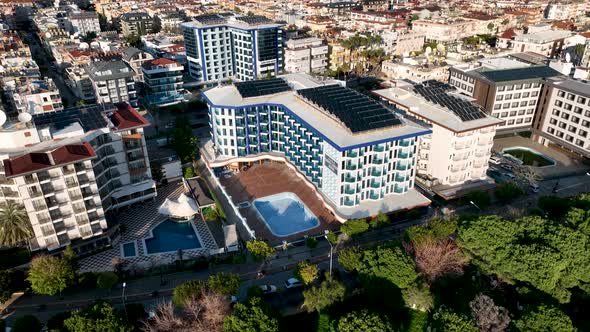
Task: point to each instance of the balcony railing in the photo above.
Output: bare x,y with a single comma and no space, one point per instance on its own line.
351,167
349,191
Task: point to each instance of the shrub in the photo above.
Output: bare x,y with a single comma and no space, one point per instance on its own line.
107,280
56,322
187,291
311,242
350,259
306,272
224,283
254,291
260,250
379,221
189,172
354,227
238,259
333,238
508,191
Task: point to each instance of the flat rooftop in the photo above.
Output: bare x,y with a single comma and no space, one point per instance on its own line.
418,105
317,119
543,36
574,86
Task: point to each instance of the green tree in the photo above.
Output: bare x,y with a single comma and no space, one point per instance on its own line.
27,323
555,207
183,142
189,172
328,293
389,263
260,250
488,316
224,283
97,317
306,272
212,213
134,40
437,229
363,321
480,198
69,255
354,227
107,280
549,256
50,275
448,321
15,227
157,172
545,318
90,37
187,291
311,242
508,191
351,259
5,285
418,321
380,220
491,26
418,297
250,317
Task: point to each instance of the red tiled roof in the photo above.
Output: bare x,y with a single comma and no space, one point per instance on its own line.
508,34
585,34
158,62
36,161
126,117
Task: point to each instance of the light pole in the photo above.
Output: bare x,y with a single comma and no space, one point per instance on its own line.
326,232
125,306
471,202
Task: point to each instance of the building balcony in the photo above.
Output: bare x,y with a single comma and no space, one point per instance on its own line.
349,191
43,221
351,167
378,161
404,155
378,148
375,184
348,202
401,167
350,179
398,190
374,195
9,193
404,143
352,154
375,172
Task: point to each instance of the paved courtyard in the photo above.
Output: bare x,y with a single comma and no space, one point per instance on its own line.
268,179
137,222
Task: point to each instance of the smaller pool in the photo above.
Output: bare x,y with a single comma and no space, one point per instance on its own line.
129,249
170,236
285,214
529,157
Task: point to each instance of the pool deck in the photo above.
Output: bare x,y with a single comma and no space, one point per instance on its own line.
268,179
138,221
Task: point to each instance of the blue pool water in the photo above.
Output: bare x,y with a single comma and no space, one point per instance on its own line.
129,249
170,235
285,214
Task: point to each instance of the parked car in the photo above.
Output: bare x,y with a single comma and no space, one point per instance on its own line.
506,166
268,289
535,187
510,175
293,283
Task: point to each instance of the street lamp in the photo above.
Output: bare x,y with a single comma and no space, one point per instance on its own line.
124,305
326,232
471,202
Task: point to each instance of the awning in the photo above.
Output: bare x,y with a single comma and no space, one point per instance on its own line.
183,207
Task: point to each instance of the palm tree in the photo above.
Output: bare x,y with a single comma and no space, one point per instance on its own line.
15,227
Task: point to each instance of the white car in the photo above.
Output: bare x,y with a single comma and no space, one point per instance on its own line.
293,283
267,289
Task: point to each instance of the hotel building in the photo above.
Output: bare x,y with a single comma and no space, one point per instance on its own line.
163,82
71,168
358,155
564,116
454,158
220,48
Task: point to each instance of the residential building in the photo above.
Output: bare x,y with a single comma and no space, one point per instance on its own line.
83,23
306,55
32,96
505,88
445,30
548,43
113,82
239,47
136,23
169,21
72,168
415,69
341,56
79,82
358,163
563,117
454,158
163,82
135,58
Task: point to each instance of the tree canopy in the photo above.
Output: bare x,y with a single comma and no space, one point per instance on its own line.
15,227
448,321
390,263
545,318
97,317
318,298
508,191
27,323
250,317
50,275
549,256
354,227
107,280
186,291
224,283
306,272
183,141
260,250
363,321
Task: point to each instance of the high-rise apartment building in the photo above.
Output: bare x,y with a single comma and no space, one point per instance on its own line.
353,151
113,81
244,48
70,168
136,23
506,89
163,81
306,55
459,148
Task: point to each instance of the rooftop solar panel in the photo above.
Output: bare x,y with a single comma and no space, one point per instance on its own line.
437,92
89,117
262,87
356,111
517,74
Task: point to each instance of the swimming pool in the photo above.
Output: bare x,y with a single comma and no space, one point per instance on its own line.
285,214
170,236
129,249
526,156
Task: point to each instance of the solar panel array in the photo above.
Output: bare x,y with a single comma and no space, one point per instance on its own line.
517,74
254,19
358,112
262,87
89,117
437,92
210,19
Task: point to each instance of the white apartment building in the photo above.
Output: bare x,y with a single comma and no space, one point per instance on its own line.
33,96
71,168
306,55
458,150
356,154
548,43
564,116
506,89
83,23
113,82
240,47
413,69
135,57
79,81
445,30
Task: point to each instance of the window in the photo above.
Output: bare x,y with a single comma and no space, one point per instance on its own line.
532,102
558,103
560,93
499,97
581,100
513,113
497,106
502,88
509,96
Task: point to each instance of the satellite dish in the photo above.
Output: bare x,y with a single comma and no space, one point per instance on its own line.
428,50
568,57
48,35
2,118
25,117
